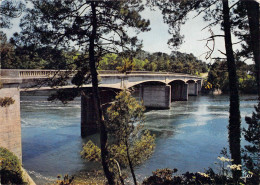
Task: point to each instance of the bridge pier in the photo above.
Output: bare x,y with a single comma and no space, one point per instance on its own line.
199,86
179,91
193,88
88,115
10,121
154,96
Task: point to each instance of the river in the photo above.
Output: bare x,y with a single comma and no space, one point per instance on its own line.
189,136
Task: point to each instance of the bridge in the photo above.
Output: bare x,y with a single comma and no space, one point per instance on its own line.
156,89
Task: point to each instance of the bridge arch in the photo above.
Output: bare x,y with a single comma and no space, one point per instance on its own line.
191,81
176,81
146,82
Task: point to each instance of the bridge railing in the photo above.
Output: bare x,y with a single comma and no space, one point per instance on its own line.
43,73
30,73
40,73
157,73
27,73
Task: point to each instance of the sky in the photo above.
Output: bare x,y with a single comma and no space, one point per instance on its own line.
156,39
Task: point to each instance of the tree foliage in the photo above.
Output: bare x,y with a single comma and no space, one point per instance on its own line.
10,9
251,153
56,34
140,151
166,177
16,57
218,77
247,30
94,28
129,146
122,115
10,168
177,62
216,13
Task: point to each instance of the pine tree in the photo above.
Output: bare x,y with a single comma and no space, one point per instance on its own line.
10,9
251,153
95,28
216,13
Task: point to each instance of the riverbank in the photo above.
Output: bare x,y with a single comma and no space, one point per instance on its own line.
27,178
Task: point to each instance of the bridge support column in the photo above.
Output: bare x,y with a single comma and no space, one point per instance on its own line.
193,89
179,92
10,121
199,87
88,115
155,96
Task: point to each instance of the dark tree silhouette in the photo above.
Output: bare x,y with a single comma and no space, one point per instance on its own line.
217,13
251,154
94,28
246,24
234,112
252,8
10,9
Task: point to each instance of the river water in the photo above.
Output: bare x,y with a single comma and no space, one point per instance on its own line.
189,136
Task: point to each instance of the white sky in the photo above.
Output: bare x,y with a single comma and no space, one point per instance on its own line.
156,39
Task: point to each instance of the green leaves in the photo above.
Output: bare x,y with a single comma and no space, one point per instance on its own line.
218,77
128,141
122,114
91,152
140,150
10,168
10,9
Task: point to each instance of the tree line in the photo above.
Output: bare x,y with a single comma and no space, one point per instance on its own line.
22,57
218,78
176,62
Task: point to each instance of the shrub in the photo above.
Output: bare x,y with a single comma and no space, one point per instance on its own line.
166,177
65,181
10,168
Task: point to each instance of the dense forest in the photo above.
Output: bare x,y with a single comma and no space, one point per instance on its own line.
15,57
143,61
218,77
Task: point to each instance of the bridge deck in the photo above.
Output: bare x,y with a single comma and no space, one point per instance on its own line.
110,78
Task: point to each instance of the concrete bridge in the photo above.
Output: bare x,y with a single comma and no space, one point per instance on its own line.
156,90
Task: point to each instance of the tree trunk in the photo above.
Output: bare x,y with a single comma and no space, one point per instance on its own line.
119,172
98,108
130,163
234,112
252,8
